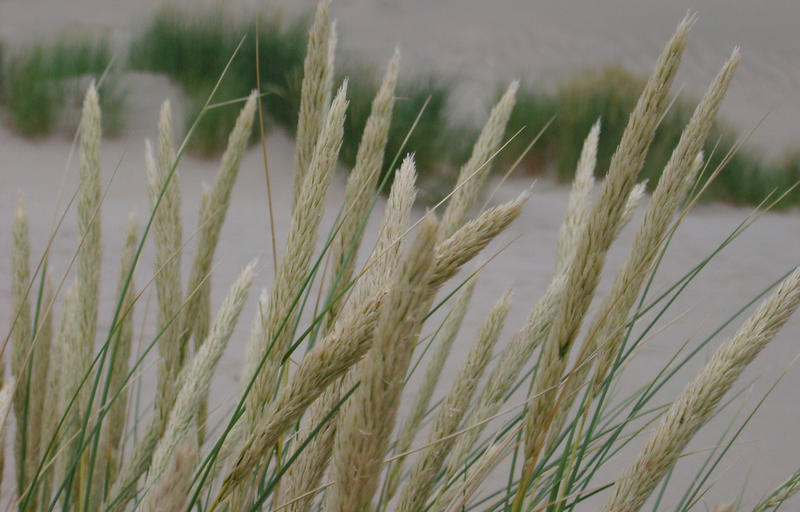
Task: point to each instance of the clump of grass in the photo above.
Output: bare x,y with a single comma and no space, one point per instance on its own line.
609,94
40,80
337,408
434,139
192,48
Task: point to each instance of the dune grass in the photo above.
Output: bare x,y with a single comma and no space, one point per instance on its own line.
191,48
334,410
43,80
609,94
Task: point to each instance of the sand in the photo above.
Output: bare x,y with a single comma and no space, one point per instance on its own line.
482,45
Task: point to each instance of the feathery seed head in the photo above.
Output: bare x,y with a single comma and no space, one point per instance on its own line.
368,418
314,91
195,378
474,172
700,398
580,200
472,237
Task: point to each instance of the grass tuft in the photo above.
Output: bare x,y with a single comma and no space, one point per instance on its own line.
609,94
193,48
44,82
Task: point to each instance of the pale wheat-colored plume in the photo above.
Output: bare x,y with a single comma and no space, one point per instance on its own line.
634,200
367,419
171,492
41,365
89,257
165,199
361,186
22,335
583,273
700,398
275,333
195,318
51,407
6,397
783,492
580,200
90,251
195,378
307,471
72,372
607,329
193,321
440,440
678,174
474,172
341,348
314,93
433,371
472,238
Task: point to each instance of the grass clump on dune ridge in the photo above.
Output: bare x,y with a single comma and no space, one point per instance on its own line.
335,408
41,79
609,94
192,48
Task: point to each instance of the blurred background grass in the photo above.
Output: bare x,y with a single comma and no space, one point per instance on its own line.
39,81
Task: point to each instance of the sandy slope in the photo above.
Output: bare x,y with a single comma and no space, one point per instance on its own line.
767,450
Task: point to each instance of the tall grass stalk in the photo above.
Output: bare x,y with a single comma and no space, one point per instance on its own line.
701,397
591,247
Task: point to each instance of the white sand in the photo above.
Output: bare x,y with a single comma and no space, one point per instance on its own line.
481,44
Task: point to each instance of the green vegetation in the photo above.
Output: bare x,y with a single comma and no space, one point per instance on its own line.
609,95
40,81
192,49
